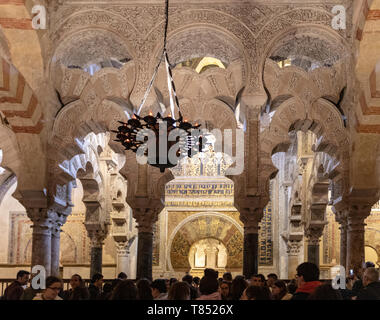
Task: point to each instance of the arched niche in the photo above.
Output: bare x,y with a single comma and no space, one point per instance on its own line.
205,226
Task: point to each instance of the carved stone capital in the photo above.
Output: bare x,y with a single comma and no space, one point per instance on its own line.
314,232
122,249
251,220
145,218
251,211
97,234
293,247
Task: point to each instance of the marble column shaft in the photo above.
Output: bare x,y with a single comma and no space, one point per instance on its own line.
145,218
41,244
144,255
343,244
122,259
97,237
293,258
55,249
251,221
313,253
355,243
250,254
96,260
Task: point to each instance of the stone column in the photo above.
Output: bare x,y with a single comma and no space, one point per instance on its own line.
55,248
97,238
313,234
355,236
145,218
293,260
41,243
251,219
313,251
294,238
122,251
343,242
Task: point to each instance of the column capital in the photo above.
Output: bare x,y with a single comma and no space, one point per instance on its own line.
146,218
97,234
251,220
314,231
122,249
145,210
293,247
251,211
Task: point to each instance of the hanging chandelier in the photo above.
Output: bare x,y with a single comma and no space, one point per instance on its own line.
189,140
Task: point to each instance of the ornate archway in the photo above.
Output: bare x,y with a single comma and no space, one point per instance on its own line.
205,226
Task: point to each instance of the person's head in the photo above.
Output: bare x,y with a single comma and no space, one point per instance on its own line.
158,286
179,291
370,275
227,276
172,281
122,276
76,281
239,284
307,272
225,288
279,289
208,272
53,287
258,280
256,293
208,285
125,290
23,277
359,271
369,264
325,292
196,281
188,278
97,280
271,279
144,291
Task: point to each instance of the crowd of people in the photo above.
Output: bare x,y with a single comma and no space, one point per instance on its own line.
306,286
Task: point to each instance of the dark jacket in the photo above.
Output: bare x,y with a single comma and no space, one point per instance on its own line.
370,292
193,293
13,292
357,286
95,292
29,293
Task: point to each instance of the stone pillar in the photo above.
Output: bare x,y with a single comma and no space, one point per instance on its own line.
293,260
355,236
313,251
122,251
97,238
41,243
251,219
55,248
343,243
145,218
313,234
